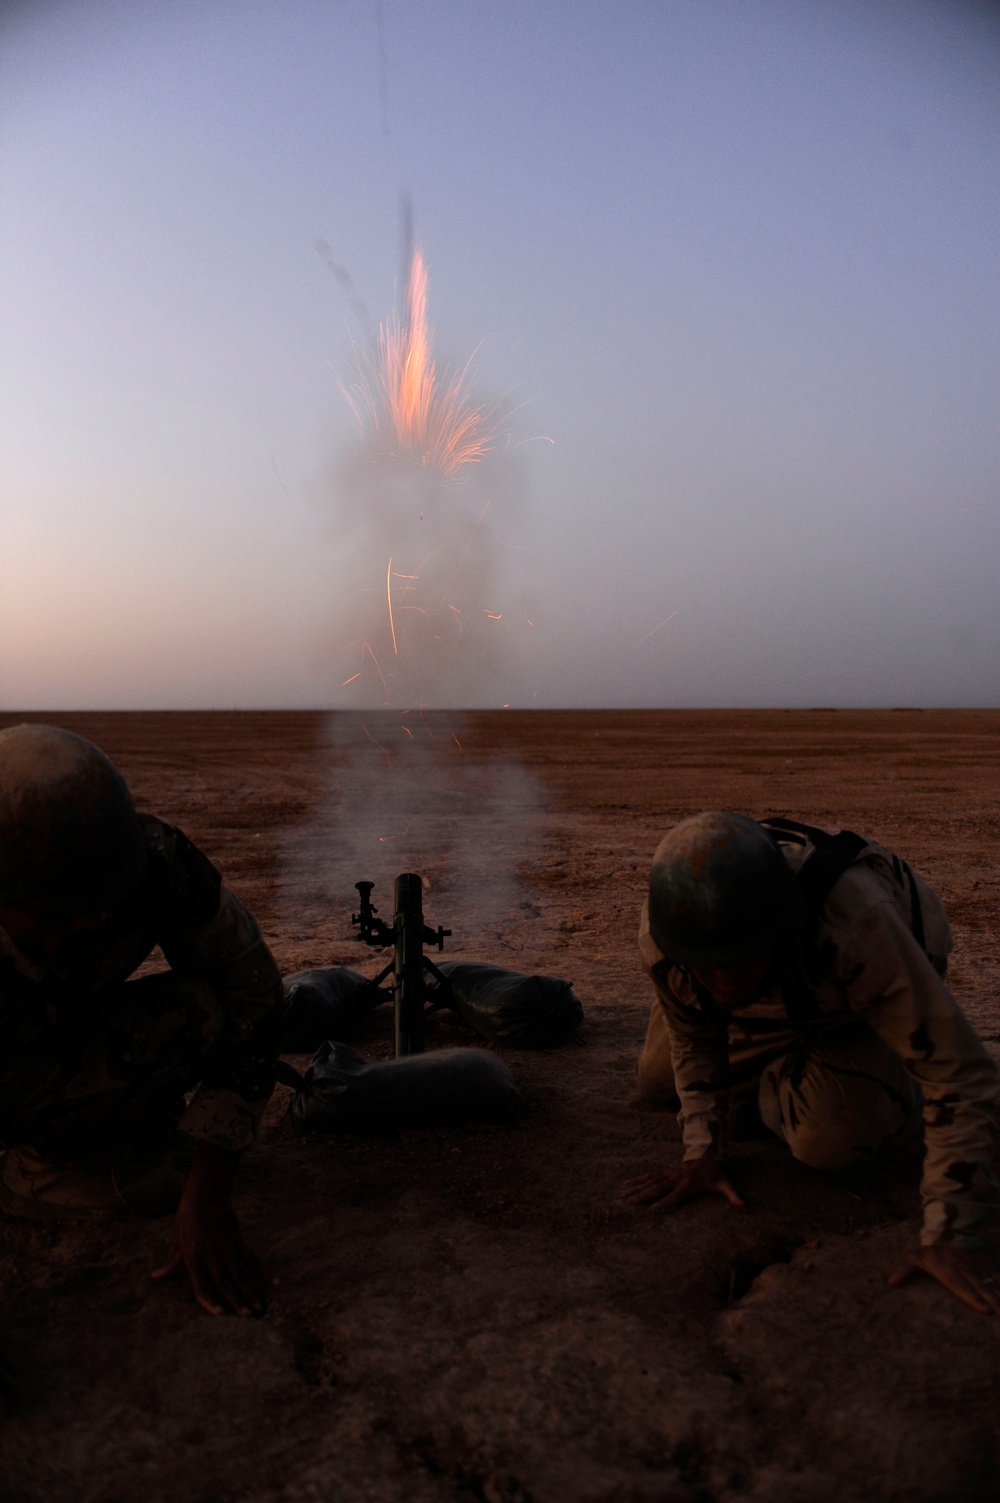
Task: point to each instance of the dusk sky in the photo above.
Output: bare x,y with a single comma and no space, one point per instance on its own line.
730,271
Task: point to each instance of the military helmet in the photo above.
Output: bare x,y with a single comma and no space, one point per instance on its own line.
720,892
70,841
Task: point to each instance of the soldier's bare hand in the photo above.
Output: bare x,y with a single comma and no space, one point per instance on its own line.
666,1188
969,1276
207,1243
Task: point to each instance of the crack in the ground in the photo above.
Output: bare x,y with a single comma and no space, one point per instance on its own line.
745,1270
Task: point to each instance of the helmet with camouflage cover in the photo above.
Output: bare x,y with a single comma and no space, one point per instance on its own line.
70,841
720,892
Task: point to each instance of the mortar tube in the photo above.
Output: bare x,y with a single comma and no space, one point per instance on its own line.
408,965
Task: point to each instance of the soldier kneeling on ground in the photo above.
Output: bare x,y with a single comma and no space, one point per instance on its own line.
94,1068
800,982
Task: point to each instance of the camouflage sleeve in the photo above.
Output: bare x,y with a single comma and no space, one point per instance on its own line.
891,982
699,1052
230,951
701,1069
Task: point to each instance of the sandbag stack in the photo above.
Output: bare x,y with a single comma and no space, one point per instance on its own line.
510,1008
326,1004
341,1091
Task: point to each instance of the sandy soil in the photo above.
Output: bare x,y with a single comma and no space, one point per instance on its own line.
469,1313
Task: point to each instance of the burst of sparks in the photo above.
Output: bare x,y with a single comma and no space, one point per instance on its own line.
403,407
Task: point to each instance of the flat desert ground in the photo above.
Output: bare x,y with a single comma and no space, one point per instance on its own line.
470,1312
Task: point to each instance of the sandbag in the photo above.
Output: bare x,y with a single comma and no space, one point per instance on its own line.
507,1007
321,1005
342,1091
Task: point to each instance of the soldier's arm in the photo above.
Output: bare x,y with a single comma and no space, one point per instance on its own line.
231,952
701,1075
203,928
699,1051
700,1059
225,1111
900,994
208,931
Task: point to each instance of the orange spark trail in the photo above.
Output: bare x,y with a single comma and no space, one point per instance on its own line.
655,630
383,749
378,670
388,591
384,838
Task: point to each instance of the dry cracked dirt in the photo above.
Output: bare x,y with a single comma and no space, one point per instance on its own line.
469,1313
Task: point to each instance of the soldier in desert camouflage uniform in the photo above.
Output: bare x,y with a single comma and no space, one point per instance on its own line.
806,969
94,1067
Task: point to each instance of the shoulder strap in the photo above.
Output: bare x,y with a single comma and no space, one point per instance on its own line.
832,855
181,883
830,858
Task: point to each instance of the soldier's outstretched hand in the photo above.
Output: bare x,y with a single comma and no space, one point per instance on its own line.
969,1276
665,1188
207,1242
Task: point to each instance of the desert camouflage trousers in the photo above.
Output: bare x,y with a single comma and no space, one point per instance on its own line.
112,1075
835,1097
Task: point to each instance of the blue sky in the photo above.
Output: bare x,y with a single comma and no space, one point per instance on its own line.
732,265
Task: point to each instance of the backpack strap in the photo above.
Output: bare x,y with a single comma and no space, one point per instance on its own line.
904,874
792,830
832,855
829,859
916,912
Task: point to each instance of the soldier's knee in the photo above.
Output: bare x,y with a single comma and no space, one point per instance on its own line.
654,1087
821,1146
820,1139
656,1097
654,1073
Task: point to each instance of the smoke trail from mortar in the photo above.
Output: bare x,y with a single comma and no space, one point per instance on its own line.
427,617
401,794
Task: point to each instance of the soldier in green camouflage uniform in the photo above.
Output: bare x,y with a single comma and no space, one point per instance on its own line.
95,1067
834,1017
